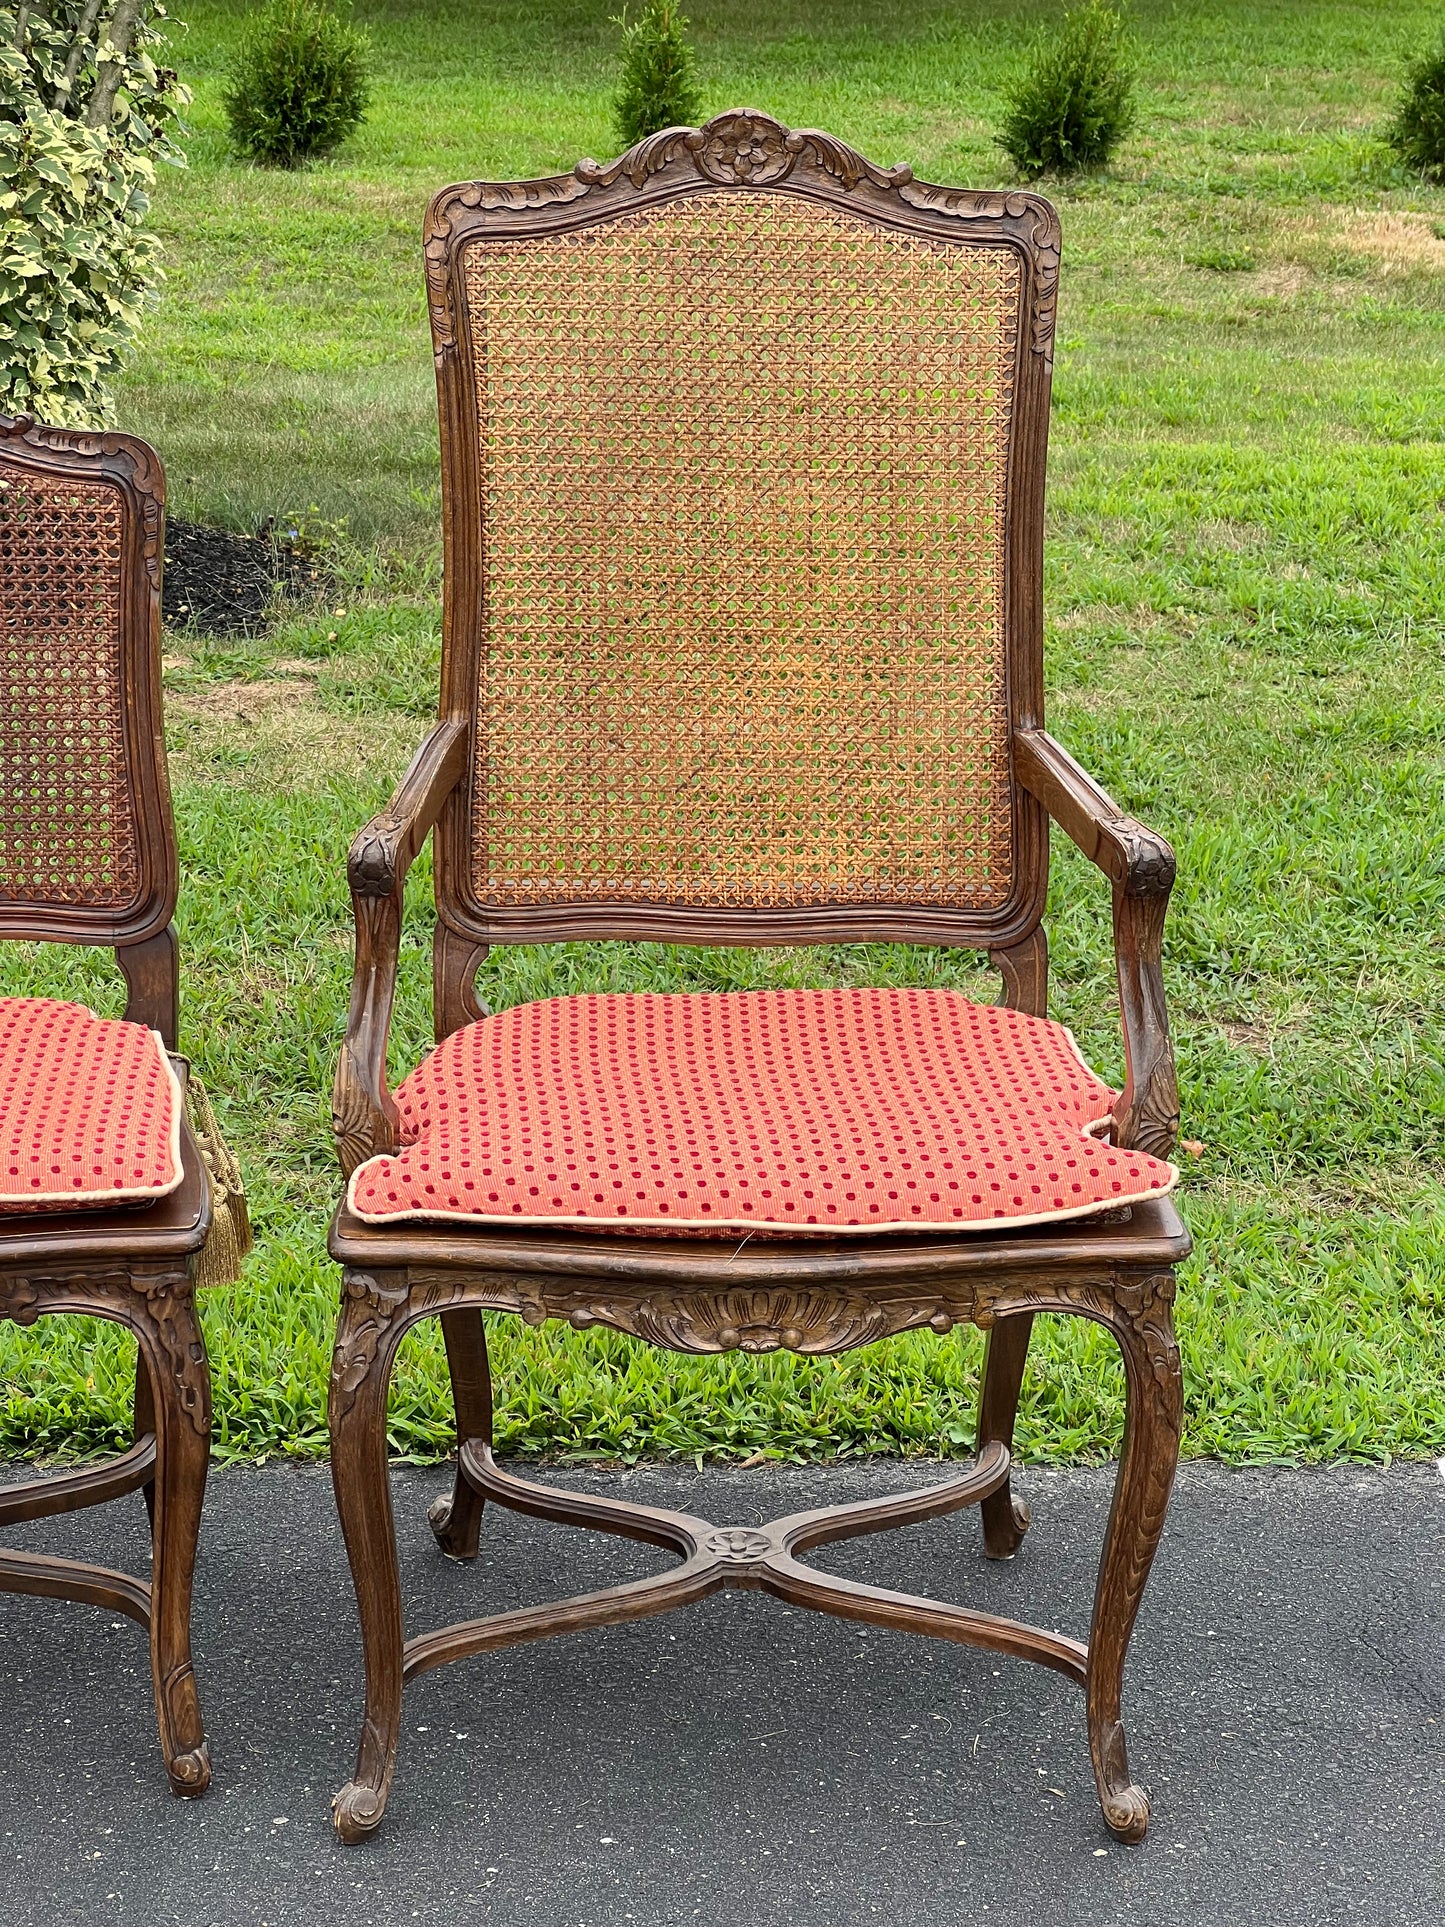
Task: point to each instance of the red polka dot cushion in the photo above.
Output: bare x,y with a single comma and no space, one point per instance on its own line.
850,1110
90,1109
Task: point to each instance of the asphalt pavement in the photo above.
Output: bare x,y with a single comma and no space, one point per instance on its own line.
739,1763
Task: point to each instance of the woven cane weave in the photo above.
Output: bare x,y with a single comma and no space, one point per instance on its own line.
90,1109
854,1110
68,832
744,462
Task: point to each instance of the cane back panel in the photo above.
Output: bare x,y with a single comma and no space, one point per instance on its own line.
743,458
86,845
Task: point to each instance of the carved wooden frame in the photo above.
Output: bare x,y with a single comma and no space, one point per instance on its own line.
132,467
815,1296
134,1266
742,149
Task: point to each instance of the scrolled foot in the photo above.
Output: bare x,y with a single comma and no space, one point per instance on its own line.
457,1538
1126,1814
1004,1527
190,1773
356,1812
1125,1806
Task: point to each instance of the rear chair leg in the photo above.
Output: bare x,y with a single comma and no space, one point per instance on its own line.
1154,1390
1025,972
1005,1518
367,1334
457,1520
172,1355
145,1424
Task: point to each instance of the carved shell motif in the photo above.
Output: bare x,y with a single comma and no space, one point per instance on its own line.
814,1321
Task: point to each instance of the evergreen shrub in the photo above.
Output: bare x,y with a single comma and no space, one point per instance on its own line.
1074,102
1417,132
658,87
299,84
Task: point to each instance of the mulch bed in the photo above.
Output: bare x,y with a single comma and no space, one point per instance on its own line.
225,584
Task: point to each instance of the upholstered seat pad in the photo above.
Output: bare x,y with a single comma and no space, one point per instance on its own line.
845,1110
90,1109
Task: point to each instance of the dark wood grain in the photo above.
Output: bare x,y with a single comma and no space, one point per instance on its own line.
367,1334
1024,968
152,973
1129,1299
1142,1320
556,1271
170,1341
45,1577
455,963
383,852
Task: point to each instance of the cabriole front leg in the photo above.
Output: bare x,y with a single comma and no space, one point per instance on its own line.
172,1356
1143,1324
368,1331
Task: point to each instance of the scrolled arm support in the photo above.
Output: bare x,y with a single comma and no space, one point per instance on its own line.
1140,866
363,1113
383,852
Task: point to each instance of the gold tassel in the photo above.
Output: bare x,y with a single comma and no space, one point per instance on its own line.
230,1235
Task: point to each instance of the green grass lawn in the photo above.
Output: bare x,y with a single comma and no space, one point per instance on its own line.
1246,579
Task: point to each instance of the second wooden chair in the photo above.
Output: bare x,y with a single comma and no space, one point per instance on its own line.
106,1204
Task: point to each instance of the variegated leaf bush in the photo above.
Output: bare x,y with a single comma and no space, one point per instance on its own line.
86,114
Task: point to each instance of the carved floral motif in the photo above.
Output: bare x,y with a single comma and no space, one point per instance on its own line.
354,1116
151,540
744,148
170,1330
1136,1306
156,1302
968,204
1151,1122
813,1321
738,1545
368,1306
1149,861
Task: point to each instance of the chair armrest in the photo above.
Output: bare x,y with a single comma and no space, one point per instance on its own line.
383,852
363,1113
1140,865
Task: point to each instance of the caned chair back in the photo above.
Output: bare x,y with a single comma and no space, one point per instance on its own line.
87,844
743,465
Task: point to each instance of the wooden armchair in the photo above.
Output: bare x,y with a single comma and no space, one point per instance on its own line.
105,1204
743,453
